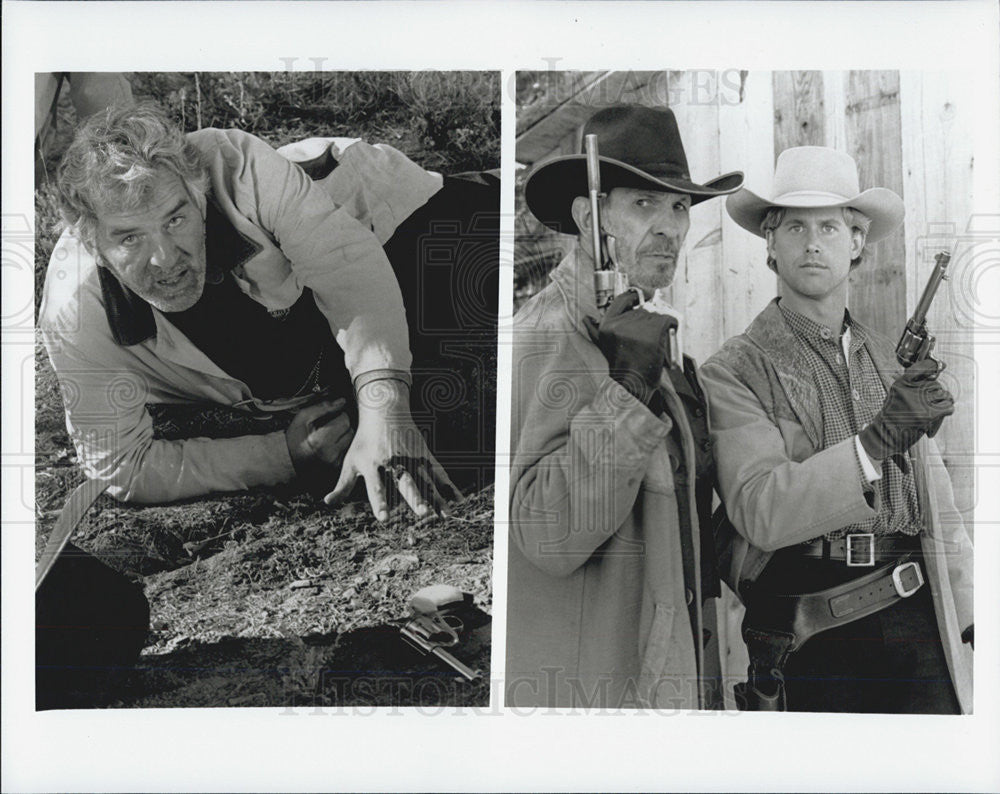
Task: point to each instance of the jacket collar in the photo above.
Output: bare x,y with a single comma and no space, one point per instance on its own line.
576,285
131,318
771,333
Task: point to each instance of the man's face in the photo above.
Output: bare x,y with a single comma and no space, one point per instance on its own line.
158,251
649,227
813,249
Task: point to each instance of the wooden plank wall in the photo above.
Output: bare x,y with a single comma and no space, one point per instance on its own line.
909,132
722,281
937,114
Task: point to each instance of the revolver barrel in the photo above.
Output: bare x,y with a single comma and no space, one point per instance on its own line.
937,276
915,343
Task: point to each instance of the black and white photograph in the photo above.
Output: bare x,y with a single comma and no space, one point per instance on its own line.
510,395
265,388
742,412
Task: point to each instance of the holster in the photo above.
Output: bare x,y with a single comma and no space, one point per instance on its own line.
776,625
764,689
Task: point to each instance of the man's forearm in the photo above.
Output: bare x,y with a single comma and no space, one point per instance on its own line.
165,471
568,498
773,500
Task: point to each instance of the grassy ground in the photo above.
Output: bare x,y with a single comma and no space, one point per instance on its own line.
270,598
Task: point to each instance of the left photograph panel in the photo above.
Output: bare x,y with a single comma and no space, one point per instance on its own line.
266,311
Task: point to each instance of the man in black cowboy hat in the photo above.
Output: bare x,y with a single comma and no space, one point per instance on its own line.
611,470
845,544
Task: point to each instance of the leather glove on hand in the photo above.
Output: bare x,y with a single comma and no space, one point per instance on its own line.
318,437
635,345
915,405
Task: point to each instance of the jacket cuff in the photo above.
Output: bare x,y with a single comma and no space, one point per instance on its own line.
276,450
644,431
381,374
868,469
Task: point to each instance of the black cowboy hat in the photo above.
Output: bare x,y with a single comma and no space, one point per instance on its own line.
639,147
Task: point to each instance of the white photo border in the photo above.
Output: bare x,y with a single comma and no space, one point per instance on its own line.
490,748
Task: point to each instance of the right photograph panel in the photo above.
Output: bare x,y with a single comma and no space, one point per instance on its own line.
743,416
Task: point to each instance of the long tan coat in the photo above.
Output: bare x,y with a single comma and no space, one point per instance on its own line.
780,488
597,605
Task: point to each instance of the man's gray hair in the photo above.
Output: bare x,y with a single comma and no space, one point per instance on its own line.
856,220
115,162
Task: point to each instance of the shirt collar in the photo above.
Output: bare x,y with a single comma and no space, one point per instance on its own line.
851,335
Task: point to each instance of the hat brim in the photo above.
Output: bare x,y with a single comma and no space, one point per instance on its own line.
881,205
552,186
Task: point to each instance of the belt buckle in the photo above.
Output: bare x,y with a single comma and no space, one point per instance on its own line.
865,551
897,579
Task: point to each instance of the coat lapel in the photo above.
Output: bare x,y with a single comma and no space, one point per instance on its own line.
772,335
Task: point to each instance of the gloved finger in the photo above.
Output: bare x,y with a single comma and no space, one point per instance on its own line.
336,413
318,414
922,371
935,426
348,476
941,366
593,328
945,407
939,395
622,304
936,396
334,426
336,447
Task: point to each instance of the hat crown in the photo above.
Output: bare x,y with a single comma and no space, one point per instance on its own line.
817,171
643,137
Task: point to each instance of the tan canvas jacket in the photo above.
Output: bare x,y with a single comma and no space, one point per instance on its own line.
780,488
597,603
279,232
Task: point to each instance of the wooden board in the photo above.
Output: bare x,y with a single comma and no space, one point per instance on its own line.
746,143
695,291
937,115
798,110
878,285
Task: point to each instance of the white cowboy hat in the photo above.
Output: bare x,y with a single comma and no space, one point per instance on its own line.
815,176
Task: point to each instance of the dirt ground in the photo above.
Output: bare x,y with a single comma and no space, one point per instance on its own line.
271,598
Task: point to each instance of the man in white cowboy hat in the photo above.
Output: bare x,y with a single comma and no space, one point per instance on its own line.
611,469
844,541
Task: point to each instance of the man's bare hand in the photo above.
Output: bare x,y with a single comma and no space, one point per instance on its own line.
319,436
389,452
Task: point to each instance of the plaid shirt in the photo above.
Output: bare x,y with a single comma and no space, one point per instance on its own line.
850,394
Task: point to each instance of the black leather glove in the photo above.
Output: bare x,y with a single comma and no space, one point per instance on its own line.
318,437
915,405
635,345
